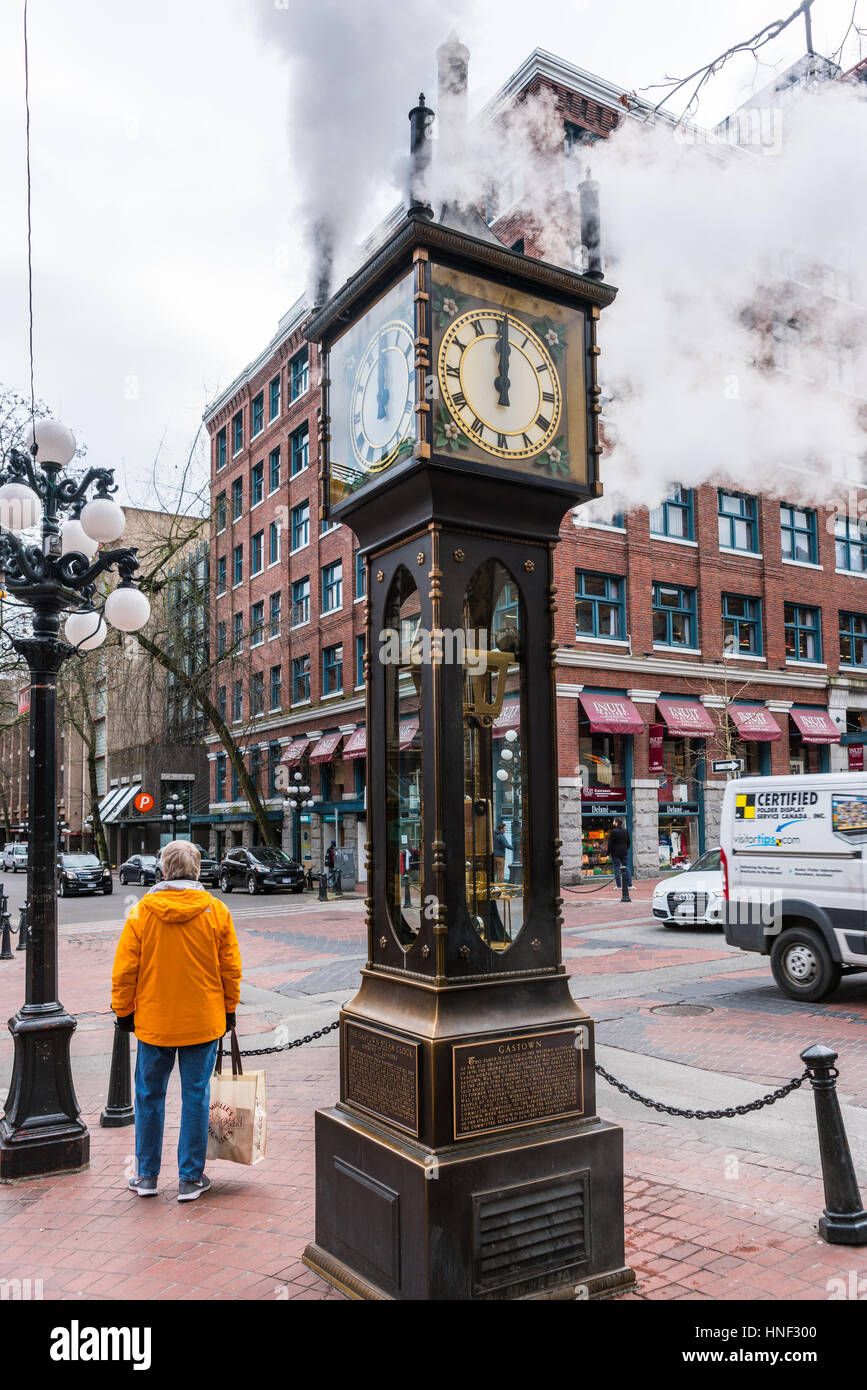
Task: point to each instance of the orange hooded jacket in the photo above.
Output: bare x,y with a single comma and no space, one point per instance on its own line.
178,967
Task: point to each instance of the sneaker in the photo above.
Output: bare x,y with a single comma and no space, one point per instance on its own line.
145,1187
189,1191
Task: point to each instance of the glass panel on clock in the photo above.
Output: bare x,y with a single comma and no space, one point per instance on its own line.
371,393
495,782
404,823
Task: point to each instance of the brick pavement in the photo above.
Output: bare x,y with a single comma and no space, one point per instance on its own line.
703,1221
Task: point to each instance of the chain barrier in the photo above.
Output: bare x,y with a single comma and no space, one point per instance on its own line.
728,1114
298,1042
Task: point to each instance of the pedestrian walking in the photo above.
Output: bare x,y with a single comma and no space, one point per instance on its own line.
501,844
618,849
176,983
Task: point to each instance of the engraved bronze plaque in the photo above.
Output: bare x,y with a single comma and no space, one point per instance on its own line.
504,1083
382,1075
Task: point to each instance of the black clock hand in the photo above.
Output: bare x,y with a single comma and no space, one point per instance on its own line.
501,382
382,392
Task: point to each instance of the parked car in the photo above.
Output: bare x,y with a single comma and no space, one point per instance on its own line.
794,856
209,871
139,868
15,857
82,873
694,896
261,868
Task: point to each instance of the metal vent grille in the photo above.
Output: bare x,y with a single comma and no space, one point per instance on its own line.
530,1230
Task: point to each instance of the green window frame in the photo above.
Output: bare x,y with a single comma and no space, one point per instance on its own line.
675,517
853,639
742,625
674,616
803,629
798,534
738,521
600,605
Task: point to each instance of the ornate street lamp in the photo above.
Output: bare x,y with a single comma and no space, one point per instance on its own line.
56,573
174,812
294,801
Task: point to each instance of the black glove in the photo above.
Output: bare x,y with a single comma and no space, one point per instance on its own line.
127,1025
231,1022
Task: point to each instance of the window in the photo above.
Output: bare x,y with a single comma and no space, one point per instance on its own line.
221,447
220,789
274,616
237,564
737,521
299,444
674,622
221,639
273,542
257,483
742,625
360,575
273,764
332,586
576,138
359,660
255,766
332,669
851,543
257,624
600,609
237,433
300,679
301,601
273,470
237,499
257,693
299,375
674,518
787,345
235,787
276,685
221,702
237,632
257,413
222,512
853,639
326,782
257,545
328,525
300,525
803,633
274,399
799,538
238,702
221,574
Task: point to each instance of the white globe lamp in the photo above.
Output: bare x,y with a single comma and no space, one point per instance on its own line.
54,442
20,508
127,609
103,519
75,540
86,631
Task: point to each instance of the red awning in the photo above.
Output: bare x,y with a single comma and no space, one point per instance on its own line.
326,747
755,722
686,718
408,731
295,750
611,714
356,744
815,726
508,718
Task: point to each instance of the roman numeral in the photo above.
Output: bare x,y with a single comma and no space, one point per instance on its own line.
542,367
371,455
542,423
360,441
548,396
528,443
525,342
477,427
478,328
462,347
459,399
501,442
452,371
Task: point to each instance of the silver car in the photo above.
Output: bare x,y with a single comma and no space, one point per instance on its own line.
15,858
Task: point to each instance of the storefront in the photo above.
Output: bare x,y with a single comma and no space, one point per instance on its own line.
809,737
607,725
681,781
754,729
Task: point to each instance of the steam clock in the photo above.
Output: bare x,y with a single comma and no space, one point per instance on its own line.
464,1158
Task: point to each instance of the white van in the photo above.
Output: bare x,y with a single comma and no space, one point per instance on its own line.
794,861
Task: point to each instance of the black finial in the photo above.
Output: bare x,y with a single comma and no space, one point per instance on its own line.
420,122
588,193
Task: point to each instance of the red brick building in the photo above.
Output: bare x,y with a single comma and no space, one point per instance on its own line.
719,625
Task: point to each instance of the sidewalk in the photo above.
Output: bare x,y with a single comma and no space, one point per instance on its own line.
703,1220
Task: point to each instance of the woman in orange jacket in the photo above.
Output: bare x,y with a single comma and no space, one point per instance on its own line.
176,983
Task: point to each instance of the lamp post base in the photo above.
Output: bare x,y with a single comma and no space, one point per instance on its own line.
41,1131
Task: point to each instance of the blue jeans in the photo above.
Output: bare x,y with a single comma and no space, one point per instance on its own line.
153,1067
621,865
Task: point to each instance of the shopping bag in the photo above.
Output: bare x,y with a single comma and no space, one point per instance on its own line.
238,1120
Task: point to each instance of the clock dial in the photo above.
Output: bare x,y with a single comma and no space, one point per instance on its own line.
499,383
382,398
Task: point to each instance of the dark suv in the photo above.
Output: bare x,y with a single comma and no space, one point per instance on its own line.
82,873
258,869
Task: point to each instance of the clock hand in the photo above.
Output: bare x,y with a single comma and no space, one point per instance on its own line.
501,382
382,392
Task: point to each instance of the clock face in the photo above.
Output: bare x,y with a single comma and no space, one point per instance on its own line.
499,383
382,398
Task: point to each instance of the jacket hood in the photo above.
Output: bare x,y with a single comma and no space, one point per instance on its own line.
173,906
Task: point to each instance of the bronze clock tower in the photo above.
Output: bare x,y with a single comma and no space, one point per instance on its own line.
464,1158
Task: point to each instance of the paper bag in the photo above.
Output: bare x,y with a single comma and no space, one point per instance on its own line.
238,1120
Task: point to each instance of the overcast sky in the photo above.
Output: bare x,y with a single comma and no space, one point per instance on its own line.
166,235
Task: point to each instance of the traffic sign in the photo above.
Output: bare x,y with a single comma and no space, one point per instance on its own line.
143,802
728,765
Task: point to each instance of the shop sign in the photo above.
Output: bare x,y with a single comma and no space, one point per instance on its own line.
856,757
678,808
603,793
656,735
604,808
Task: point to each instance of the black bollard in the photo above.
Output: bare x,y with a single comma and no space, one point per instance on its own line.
22,927
5,928
624,889
119,1109
844,1221
323,888
407,900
